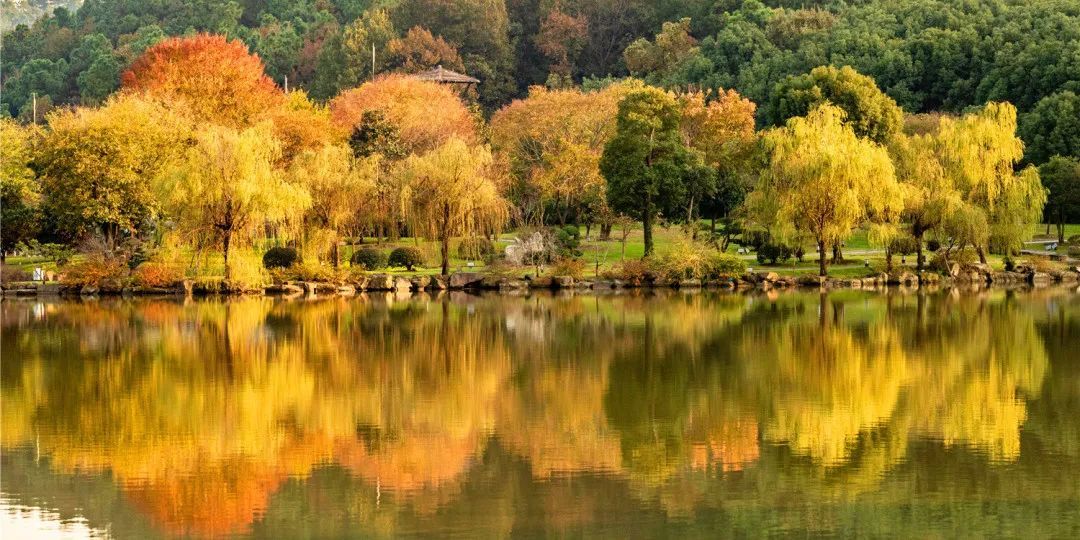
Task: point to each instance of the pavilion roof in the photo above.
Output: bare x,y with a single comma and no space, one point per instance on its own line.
440,74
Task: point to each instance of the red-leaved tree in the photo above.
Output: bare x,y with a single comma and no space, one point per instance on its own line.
214,78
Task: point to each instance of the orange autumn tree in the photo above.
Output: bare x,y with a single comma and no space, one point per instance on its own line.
301,125
214,78
426,114
721,126
552,141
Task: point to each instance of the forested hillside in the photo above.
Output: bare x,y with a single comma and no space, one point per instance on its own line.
926,54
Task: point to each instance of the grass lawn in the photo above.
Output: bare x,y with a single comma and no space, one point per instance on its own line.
602,255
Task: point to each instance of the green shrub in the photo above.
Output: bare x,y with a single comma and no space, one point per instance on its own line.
1073,251
723,265
1073,240
369,259
567,241
933,246
773,254
904,245
280,257
406,257
476,248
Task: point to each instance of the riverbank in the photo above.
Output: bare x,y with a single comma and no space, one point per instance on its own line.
970,276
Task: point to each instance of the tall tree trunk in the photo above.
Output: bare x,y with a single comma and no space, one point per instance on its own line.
1048,227
446,240
335,254
888,259
822,269
690,218
982,254
646,225
226,241
837,255
712,229
605,231
1061,226
920,258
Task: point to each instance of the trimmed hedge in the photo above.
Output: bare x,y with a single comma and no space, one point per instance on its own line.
407,257
280,257
369,259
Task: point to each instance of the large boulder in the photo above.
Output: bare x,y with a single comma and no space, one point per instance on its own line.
1041,279
903,277
462,280
513,285
689,283
929,278
380,282
402,284
359,281
540,282
50,288
563,282
810,280
1066,276
420,283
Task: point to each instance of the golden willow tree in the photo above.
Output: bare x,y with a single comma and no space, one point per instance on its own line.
929,194
226,190
452,191
979,153
823,180
339,186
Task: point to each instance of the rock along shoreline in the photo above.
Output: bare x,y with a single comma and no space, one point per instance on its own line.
974,276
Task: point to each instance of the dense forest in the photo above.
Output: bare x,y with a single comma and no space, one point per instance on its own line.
928,55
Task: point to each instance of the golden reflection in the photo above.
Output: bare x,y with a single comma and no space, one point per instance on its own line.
202,411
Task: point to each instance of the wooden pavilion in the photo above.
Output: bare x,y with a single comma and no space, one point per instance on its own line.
441,75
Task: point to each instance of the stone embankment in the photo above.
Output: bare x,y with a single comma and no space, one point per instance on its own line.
968,276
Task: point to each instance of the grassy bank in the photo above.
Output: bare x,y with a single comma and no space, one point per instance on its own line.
600,256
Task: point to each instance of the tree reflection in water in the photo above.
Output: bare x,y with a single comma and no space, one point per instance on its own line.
491,415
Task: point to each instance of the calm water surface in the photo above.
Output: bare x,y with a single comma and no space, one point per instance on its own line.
704,415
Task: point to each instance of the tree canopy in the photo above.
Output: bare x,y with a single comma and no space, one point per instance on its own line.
648,167
212,77
823,180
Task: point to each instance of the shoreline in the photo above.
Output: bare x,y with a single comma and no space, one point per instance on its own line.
478,282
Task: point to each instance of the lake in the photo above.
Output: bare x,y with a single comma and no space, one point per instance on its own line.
642,414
